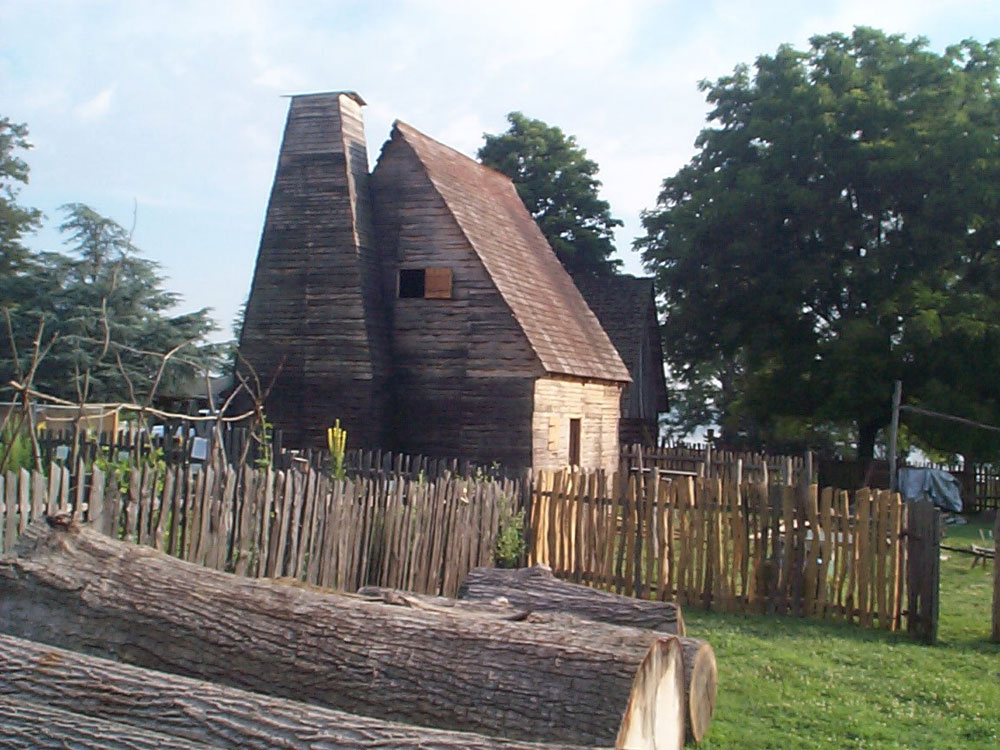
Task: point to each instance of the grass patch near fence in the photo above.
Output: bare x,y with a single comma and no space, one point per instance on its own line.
795,683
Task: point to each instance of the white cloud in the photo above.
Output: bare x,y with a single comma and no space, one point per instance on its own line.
96,107
190,118
464,133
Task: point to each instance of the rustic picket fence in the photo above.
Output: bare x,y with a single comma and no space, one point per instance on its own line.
183,443
299,524
980,482
746,548
703,460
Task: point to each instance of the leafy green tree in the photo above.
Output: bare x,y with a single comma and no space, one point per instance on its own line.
838,228
559,187
16,221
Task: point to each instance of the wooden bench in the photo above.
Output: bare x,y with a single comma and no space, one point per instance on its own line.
982,552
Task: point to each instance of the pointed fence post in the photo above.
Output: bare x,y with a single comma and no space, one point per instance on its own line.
996,583
897,395
923,569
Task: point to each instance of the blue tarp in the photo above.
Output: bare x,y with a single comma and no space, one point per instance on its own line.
937,485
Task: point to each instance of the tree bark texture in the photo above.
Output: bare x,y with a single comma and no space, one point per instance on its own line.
700,670
195,711
70,586
535,588
32,726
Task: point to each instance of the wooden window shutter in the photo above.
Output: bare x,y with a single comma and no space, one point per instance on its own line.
553,434
437,283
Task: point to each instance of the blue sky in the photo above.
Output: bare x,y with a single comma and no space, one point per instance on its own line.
176,107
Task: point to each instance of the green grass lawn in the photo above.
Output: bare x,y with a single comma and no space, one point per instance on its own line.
794,683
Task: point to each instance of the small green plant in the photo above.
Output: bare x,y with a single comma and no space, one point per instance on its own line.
120,466
266,440
510,545
336,439
15,445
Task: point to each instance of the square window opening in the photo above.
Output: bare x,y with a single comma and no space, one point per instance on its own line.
412,282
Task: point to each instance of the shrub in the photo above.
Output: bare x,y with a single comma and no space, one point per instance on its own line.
510,545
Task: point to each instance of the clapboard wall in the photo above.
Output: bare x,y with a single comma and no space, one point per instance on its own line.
315,319
463,371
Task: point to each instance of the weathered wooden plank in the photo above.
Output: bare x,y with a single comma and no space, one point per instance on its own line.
895,563
22,484
863,559
826,545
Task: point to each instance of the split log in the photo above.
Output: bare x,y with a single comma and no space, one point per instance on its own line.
201,712
67,585
535,588
700,670
30,726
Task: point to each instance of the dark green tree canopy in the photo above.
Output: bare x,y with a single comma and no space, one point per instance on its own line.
107,317
16,221
839,228
103,314
559,186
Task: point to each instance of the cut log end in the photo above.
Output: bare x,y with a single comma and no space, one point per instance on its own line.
701,692
654,717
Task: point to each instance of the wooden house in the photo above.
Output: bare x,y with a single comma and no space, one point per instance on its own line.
432,317
495,353
626,309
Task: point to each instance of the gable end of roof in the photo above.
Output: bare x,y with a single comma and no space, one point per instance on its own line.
562,330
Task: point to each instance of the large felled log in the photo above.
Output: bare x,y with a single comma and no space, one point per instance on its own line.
30,726
67,585
700,671
537,589
200,712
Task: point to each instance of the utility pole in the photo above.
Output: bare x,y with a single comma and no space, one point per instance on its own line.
897,396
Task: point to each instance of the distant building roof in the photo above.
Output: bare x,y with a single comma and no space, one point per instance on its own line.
559,326
195,387
625,305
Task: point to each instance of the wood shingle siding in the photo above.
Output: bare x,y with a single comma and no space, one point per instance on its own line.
420,305
315,317
626,309
563,332
463,370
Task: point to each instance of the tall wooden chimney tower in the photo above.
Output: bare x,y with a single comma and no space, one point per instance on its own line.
315,323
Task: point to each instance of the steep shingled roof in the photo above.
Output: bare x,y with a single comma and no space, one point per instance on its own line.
562,330
625,305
